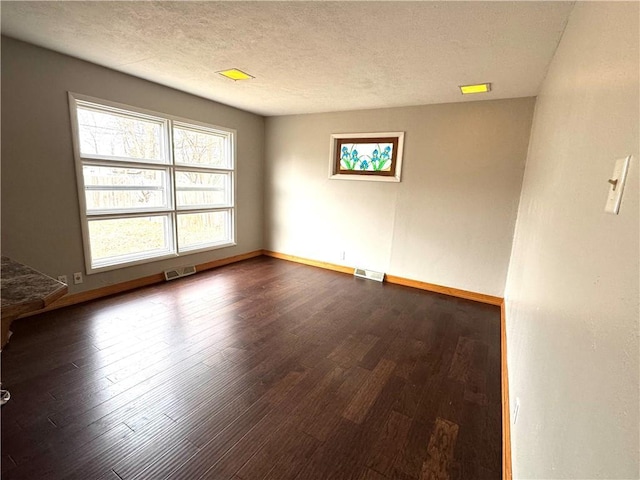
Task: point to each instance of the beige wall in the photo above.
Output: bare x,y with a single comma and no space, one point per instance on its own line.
40,213
572,290
450,221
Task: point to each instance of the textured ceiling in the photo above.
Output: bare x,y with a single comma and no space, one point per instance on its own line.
307,56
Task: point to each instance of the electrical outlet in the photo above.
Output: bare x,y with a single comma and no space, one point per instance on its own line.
77,278
343,255
62,278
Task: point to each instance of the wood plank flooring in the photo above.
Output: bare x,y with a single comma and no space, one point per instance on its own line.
264,369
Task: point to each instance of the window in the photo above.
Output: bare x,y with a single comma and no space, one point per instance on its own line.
151,186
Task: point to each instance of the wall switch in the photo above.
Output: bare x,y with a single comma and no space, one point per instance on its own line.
77,278
516,409
62,278
616,185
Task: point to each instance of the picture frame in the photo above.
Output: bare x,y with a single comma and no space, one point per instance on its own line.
367,156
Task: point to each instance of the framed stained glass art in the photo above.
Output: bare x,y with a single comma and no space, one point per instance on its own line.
366,156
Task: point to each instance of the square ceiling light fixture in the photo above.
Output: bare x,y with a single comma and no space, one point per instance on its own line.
235,74
477,88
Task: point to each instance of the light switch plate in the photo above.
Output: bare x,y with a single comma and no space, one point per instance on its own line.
616,185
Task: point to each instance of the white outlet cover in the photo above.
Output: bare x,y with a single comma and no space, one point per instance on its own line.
619,176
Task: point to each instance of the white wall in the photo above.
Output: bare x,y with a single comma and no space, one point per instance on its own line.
40,212
572,290
449,222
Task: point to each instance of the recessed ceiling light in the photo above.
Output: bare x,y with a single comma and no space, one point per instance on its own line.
478,88
235,74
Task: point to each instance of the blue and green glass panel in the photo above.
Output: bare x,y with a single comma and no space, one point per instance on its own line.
367,156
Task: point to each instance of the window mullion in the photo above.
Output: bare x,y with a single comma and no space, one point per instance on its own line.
174,199
203,168
129,214
203,209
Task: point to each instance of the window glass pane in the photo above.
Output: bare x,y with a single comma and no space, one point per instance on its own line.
372,157
200,189
111,188
108,134
197,230
199,147
126,239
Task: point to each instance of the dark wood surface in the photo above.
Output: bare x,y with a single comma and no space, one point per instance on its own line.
264,369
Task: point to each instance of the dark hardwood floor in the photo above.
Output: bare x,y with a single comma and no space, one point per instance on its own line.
261,369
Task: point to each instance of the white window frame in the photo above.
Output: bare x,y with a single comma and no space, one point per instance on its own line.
170,166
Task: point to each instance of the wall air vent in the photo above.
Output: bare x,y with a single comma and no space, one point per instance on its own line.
369,274
179,272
